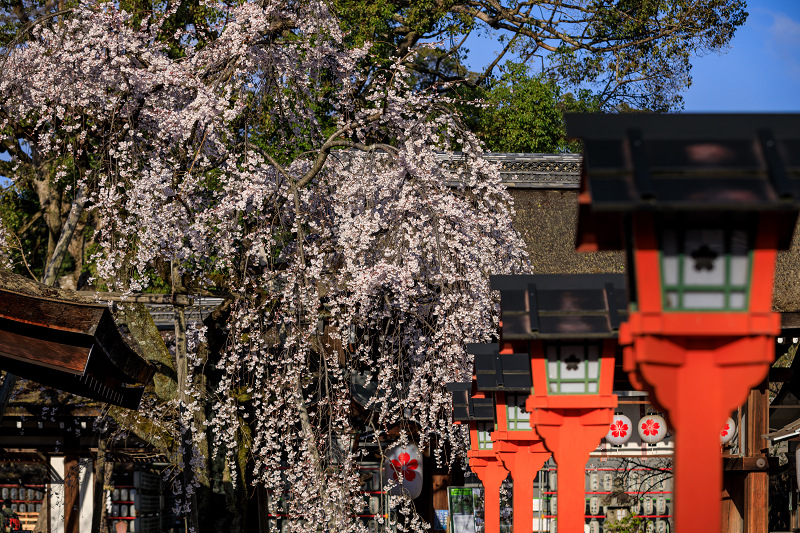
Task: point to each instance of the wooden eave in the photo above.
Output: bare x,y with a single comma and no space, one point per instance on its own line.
68,344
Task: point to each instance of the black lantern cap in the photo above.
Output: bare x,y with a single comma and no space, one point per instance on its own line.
690,161
561,306
510,372
466,408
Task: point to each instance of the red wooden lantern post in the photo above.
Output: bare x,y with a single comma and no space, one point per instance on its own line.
477,409
705,201
568,322
516,443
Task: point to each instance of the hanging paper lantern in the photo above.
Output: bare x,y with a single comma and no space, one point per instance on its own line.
728,429
652,429
620,430
404,461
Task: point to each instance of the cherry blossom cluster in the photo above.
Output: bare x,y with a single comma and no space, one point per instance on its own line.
354,258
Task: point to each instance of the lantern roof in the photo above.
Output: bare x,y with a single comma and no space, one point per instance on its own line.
509,372
689,162
469,409
561,306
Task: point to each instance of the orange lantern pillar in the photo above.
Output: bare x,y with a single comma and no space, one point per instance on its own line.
569,323
516,444
702,203
522,452
477,409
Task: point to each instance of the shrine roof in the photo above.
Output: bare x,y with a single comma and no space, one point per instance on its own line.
66,341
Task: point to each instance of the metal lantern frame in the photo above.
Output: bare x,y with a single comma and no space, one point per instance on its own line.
648,176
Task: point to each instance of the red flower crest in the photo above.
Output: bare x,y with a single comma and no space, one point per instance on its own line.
406,465
725,430
619,428
650,427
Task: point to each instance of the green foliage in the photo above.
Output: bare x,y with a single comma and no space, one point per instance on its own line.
524,112
21,217
630,523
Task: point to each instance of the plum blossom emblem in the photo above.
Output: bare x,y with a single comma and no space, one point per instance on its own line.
619,428
406,465
725,429
650,427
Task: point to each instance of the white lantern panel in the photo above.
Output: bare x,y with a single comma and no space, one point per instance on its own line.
740,270
738,300
710,243
518,419
669,264
573,362
652,429
571,388
573,368
727,431
620,430
403,466
703,300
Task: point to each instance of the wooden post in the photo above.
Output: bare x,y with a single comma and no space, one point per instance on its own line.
756,483
71,494
102,480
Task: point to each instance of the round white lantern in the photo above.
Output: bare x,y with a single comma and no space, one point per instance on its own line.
620,430
727,431
404,462
652,429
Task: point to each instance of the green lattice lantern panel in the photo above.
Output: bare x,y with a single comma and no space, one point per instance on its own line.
518,418
573,367
485,435
706,268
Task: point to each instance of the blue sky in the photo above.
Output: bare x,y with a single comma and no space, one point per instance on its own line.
758,72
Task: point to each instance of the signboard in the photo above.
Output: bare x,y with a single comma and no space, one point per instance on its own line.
466,509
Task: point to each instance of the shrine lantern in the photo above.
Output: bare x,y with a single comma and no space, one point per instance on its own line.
477,410
620,430
403,469
506,374
568,323
701,204
652,429
727,432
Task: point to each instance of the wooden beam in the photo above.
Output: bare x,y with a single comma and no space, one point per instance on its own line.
181,300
